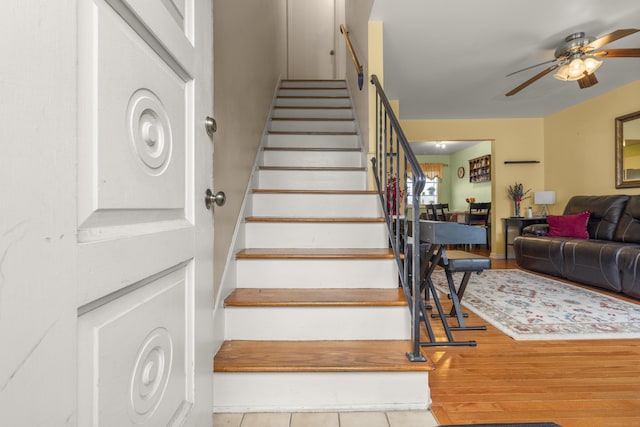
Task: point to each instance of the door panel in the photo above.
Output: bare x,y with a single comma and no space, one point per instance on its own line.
311,39
144,237
132,161
135,370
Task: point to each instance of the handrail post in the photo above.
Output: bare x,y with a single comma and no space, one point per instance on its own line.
391,143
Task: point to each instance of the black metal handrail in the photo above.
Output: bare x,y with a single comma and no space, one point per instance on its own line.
393,155
354,57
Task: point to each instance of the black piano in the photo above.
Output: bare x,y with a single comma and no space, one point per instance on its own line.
439,234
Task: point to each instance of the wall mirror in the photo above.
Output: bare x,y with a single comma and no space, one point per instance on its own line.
628,150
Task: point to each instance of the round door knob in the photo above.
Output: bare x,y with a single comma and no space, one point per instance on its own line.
210,125
219,198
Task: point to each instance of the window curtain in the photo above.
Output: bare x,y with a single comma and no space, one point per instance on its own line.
432,170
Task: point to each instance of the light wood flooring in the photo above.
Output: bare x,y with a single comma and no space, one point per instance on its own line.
572,383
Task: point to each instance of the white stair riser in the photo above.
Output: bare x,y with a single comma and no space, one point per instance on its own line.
320,391
318,323
312,158
316,205
313,83
315,235
312,180
315,102
336,113
316,273
313,126
313,141
313,92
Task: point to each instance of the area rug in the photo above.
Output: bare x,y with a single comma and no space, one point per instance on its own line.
529,307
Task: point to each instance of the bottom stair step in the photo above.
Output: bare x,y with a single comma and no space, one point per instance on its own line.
316,356
253,376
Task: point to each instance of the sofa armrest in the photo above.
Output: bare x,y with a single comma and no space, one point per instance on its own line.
535,229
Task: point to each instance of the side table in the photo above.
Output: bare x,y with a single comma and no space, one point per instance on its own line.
519,223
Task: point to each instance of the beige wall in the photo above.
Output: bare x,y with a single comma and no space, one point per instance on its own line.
579,145
249,58
513,139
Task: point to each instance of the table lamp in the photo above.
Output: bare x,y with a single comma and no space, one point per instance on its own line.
544,198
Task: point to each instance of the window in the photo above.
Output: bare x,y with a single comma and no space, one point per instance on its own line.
429,193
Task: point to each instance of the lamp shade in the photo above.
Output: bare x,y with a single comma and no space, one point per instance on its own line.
544,197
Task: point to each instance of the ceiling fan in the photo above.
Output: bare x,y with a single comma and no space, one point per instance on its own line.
575,59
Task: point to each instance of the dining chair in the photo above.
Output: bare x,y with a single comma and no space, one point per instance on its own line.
431,211
479,216
440,211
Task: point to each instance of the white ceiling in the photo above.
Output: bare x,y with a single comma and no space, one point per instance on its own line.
446,59
430,148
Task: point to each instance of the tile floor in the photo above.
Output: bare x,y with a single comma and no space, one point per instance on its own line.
327,419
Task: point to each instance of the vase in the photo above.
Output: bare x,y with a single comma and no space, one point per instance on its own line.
516,208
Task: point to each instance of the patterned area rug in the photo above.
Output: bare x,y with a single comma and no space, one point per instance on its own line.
529,307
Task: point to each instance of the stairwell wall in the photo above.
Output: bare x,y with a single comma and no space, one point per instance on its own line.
249,59
357,23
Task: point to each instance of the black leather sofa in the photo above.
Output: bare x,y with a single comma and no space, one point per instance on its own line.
608,259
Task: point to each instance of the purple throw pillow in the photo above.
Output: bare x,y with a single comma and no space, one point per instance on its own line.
569,225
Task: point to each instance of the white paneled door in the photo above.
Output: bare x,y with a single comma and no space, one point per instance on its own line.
311,39
106,245
144,234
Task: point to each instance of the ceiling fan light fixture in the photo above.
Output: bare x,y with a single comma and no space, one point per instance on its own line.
563,73
591,65
577,68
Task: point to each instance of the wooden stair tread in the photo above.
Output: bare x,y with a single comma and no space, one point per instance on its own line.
313,119
312,107
297,132
311,168
313,88
322,220
315,80
313,96
339,192
329,297
317,356
315,253
323,149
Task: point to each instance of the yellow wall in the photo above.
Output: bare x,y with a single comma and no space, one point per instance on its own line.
580,145
513,139
357,24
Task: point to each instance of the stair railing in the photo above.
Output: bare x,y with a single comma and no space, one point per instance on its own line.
393,163
354,57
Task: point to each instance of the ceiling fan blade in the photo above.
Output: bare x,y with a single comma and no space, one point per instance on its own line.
587,81
611,37
618,53
532,66
532,79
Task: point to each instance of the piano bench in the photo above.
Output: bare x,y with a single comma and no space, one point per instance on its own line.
461,261
464,261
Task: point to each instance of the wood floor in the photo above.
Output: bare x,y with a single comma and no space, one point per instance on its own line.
572,383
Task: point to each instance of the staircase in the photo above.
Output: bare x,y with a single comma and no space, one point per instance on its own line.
317,321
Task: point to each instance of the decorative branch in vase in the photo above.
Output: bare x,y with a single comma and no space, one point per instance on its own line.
394,193
518,194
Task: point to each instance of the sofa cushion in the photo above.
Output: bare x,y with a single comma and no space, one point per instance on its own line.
568,225
628,229
605,213
594,262
543,254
